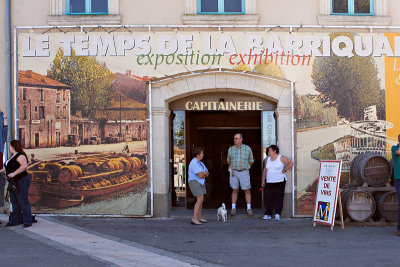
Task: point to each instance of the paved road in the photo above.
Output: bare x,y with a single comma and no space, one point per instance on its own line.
242,241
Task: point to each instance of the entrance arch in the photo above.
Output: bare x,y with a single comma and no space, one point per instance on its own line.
171,88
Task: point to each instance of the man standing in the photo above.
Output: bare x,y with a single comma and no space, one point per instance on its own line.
396,166
240,159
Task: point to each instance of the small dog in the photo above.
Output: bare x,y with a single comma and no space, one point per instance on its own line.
222,213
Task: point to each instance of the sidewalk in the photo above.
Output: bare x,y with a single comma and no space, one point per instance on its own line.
242,241
103,249
19,247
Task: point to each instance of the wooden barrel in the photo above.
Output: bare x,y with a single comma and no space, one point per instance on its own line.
53,169
126,164
354,169
371,168
69,172
92,167
359,206
343,195
118,164
107,166
136,164
388,206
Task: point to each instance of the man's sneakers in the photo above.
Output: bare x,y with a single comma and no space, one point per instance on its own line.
233,212
266,217
277,217
250,212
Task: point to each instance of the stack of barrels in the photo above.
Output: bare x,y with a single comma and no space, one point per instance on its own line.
375,199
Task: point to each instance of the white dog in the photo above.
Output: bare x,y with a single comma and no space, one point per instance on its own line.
222,214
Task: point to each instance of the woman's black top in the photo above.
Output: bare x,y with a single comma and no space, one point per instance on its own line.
12,165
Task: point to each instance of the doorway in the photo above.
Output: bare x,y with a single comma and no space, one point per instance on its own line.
214,131
36,139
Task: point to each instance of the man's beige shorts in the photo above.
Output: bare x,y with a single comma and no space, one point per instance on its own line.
242,178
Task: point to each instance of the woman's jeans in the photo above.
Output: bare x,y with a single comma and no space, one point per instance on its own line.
20,203
274,193
2,186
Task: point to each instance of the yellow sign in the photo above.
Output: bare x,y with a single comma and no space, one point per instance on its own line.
392,89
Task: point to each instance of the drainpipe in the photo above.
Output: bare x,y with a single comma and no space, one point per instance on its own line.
293,157
8,70
151,153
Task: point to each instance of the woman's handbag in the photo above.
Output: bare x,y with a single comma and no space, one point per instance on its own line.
12,186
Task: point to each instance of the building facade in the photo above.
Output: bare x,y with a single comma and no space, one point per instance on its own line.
40,124
201,71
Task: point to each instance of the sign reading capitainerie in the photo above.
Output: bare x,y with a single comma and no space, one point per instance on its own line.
227,106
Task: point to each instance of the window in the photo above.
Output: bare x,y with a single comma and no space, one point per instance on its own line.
41,95
352,7
86,7
41,112
58,97
58,112
24,113
220,6
24,93
64,112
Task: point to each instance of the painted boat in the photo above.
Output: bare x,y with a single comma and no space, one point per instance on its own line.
85,179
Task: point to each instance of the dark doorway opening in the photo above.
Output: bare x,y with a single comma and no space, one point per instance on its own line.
36,139
214,132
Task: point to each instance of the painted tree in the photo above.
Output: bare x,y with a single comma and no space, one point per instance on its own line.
311,112
350,84
269,69
242,67
90,81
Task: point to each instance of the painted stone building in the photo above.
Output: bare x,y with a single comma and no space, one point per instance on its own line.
43,110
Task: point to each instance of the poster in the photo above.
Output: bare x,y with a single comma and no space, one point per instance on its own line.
327,192
84,92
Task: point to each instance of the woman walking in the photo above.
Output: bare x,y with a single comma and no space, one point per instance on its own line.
274,181
197,176
19,181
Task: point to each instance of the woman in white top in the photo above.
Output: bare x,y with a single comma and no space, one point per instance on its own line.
274,180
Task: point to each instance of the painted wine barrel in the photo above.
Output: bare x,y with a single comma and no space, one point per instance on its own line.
359,206
371,168
69,172
126,163
53,169
92,167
